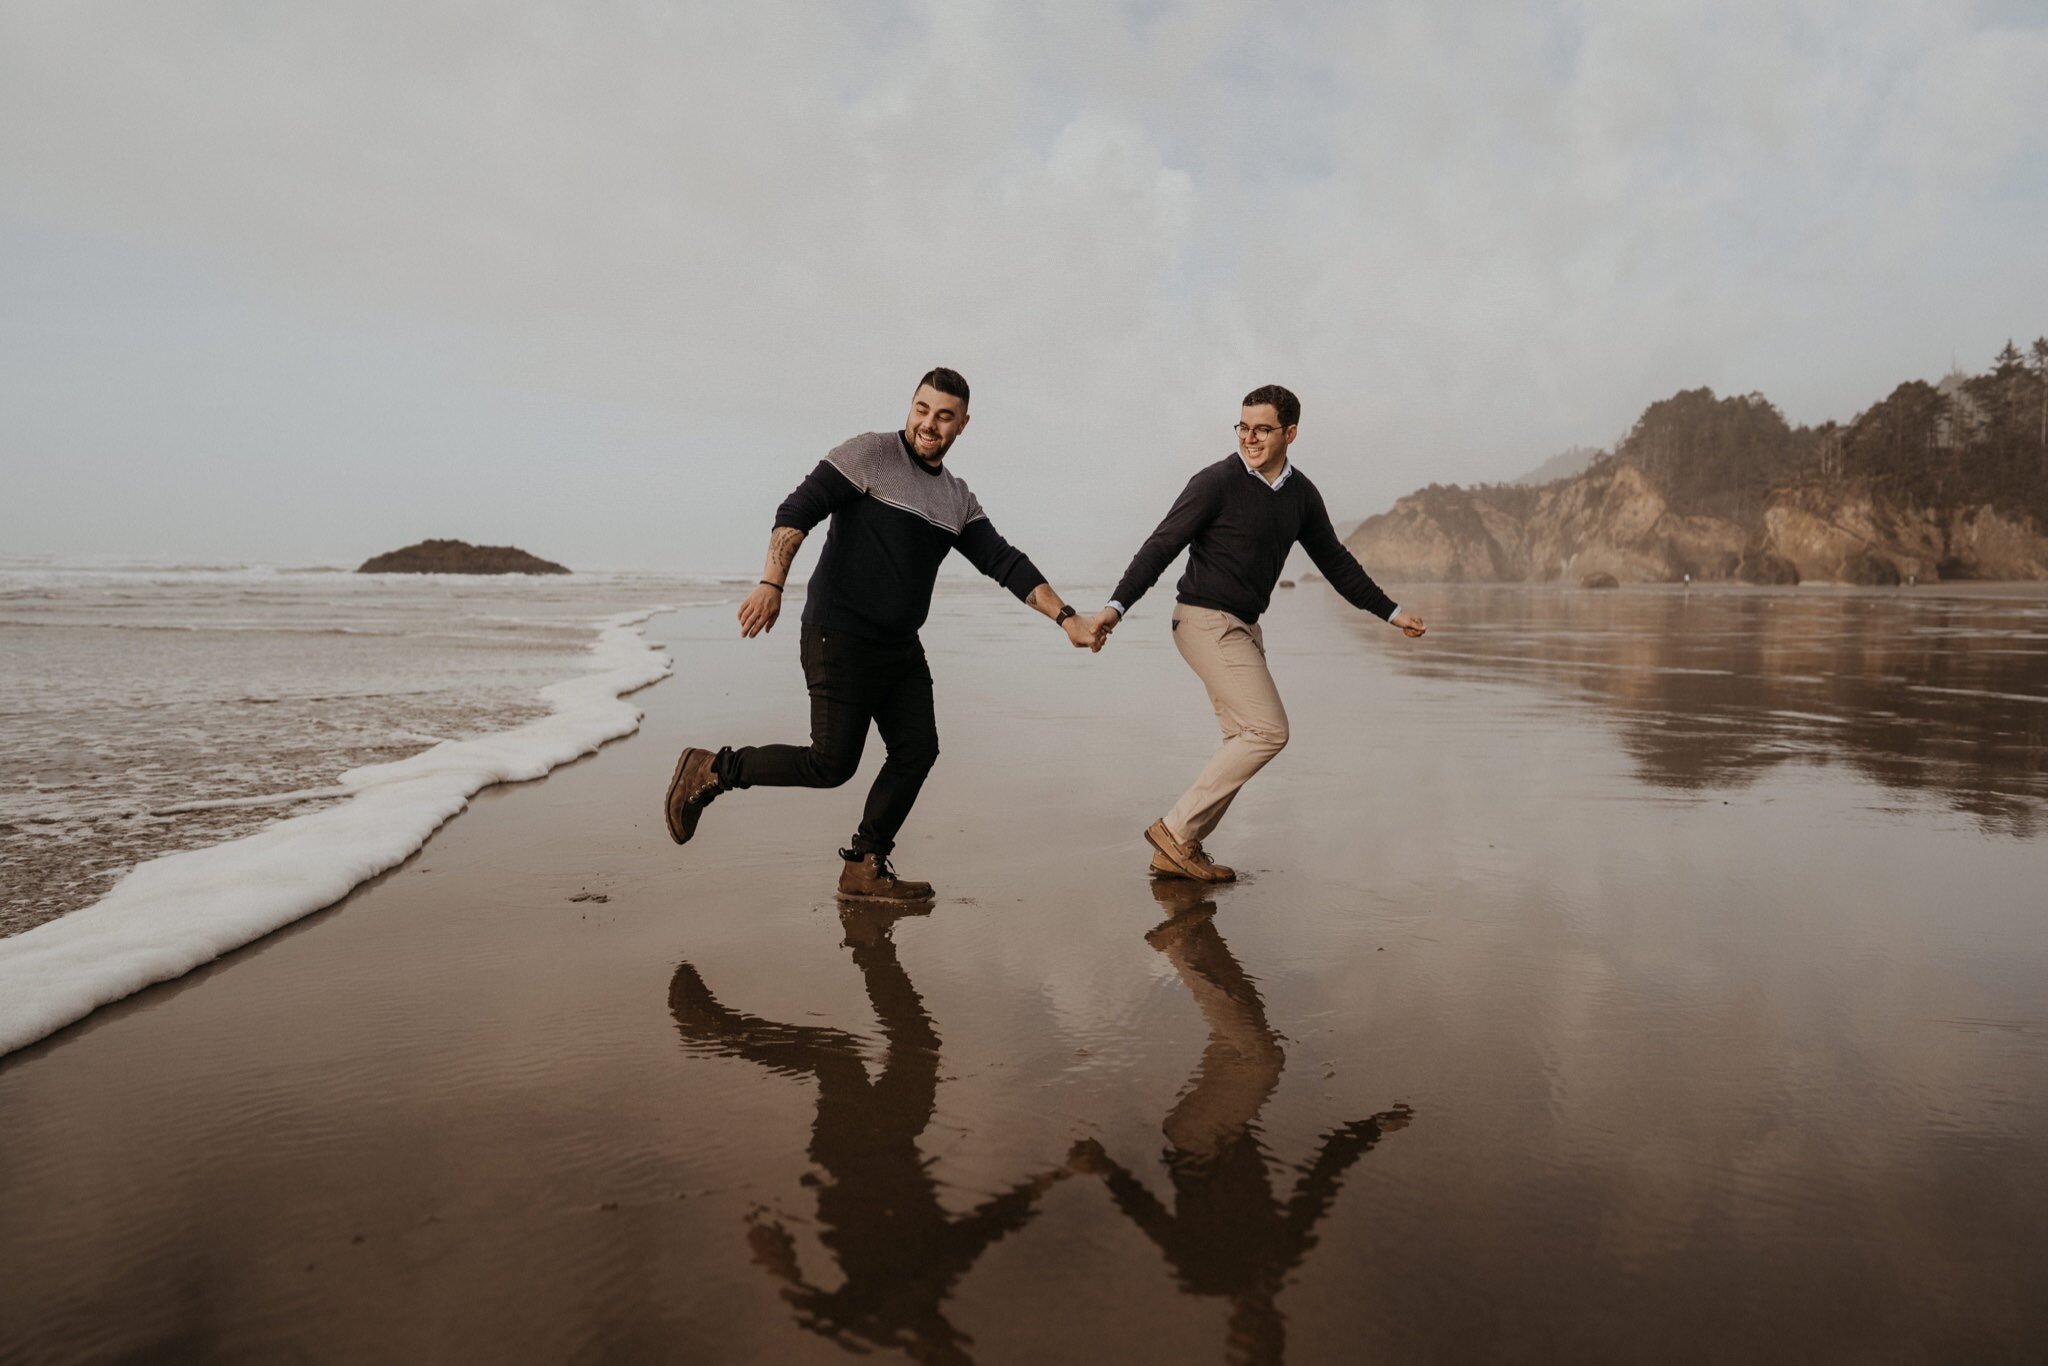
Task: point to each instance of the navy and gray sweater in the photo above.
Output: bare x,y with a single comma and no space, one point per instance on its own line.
893,520
1237,530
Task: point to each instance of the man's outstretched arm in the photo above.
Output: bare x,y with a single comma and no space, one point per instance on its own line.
1317,1189
1196,507
987,551
1346,574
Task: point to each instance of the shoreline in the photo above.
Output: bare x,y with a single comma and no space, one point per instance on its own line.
174,913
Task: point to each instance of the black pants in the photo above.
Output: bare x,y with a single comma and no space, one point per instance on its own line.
852,682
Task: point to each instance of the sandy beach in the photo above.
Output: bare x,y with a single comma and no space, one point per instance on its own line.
1525,1036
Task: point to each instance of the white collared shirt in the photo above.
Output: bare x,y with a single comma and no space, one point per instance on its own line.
1286,473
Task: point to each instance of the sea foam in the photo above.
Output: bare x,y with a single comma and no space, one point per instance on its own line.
173,914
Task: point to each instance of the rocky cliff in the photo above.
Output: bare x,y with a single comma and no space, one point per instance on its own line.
1615,520
459,557
1945,481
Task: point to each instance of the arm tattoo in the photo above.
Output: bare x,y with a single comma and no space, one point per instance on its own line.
782,548
1043,599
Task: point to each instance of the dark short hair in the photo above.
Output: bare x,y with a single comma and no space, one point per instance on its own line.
946,382
1283,401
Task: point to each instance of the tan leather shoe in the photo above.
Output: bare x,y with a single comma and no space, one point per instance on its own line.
1164,867
1219,872
689,792
1189,858
870,878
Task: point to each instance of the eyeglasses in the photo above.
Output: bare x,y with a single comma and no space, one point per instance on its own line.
1262,431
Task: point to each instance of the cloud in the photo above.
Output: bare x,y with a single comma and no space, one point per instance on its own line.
1468,236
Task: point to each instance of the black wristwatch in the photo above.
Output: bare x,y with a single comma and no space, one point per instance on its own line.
1066,610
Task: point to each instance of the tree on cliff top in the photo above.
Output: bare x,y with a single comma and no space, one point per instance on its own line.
1976,439
1719,456
1900,441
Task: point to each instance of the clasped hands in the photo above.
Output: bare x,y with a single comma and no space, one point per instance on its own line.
1091,632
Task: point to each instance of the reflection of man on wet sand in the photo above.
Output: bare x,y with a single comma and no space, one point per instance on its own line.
899,1250
1227,1234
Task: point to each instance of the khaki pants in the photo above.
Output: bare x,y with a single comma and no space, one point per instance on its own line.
1230,659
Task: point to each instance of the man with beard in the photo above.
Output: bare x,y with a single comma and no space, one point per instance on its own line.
896,511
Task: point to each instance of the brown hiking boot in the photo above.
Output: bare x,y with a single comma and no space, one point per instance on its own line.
1188,858
870,878
689,792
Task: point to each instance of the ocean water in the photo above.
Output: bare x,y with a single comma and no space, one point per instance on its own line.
154,708
158,710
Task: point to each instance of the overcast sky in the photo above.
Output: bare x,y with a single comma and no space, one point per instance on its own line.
301,282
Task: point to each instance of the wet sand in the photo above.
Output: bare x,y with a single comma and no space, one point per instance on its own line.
1618,977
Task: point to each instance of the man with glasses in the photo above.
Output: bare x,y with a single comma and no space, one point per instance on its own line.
896,512
1238,518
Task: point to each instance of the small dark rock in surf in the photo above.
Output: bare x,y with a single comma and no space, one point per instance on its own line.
459,557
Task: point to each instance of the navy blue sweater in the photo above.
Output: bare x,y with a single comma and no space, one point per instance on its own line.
1237,531
893,520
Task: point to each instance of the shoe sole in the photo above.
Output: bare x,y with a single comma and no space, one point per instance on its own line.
867,900
683,824
1152,837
